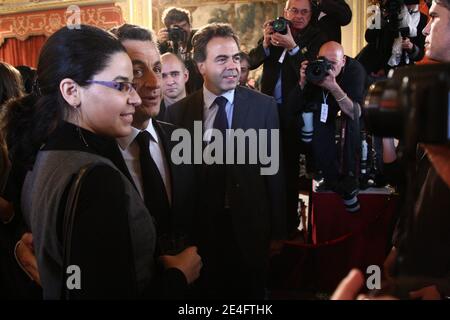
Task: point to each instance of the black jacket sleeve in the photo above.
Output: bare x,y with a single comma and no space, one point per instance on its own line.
338,9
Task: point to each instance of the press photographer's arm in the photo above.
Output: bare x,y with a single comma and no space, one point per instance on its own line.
345,103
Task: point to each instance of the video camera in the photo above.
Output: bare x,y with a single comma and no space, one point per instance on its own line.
317,70
177,34
280,25
413,103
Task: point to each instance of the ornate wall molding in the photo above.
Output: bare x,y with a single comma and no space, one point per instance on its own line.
26,24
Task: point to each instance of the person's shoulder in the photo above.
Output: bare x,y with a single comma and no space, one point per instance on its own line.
354,66
167,127
193,97
254,97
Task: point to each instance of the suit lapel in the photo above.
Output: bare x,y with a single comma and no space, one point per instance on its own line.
241,107
167,144
194,110
118,160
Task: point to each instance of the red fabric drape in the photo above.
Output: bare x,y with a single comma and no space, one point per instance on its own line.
16,52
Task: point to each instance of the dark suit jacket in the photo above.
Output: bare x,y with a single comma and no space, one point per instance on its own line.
182,180
309,42
338,13
257,202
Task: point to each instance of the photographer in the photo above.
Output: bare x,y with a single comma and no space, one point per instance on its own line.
284,46
176,38
420,252
395,39
332,84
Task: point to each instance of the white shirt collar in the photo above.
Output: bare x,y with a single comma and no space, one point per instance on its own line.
124,142
209,97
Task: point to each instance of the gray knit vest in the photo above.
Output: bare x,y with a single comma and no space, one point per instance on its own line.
41,196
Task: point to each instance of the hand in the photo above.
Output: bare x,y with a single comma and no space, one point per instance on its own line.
350,286
267,32
188,262
284,40
427,293
302,81
329,82
163,35
25,257
407,44
6,210
388,265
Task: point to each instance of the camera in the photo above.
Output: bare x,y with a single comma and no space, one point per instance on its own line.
280,25
412,104
177,34
317,70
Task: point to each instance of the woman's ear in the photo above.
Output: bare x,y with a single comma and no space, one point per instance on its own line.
70,90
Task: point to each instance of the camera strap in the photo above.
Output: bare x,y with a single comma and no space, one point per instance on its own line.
324,108
283,55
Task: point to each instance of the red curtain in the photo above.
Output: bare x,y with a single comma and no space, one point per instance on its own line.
16,52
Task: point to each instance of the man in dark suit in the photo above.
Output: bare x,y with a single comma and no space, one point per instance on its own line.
241,210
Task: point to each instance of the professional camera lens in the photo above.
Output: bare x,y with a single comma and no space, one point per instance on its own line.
280,25
317,70
413,103
177,34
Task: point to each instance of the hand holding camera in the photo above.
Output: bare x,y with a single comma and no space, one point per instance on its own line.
163,35
277,33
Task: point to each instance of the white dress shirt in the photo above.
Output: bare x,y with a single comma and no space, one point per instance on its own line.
130,152
210,110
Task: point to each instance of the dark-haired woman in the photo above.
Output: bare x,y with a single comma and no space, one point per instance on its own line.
84,98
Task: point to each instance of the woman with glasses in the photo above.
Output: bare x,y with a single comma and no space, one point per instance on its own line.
82,100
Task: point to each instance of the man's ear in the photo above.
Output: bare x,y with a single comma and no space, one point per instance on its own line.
201,67
70,90
186,75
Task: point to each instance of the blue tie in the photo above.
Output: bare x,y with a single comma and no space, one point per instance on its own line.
221,121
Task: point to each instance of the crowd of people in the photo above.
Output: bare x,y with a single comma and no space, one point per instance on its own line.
90,170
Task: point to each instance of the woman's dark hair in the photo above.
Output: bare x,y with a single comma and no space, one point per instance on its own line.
10,83
78,54
28,76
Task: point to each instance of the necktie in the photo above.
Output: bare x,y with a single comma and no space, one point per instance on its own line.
221,121
155,196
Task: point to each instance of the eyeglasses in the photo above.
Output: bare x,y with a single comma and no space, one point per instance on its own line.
123,86
296,11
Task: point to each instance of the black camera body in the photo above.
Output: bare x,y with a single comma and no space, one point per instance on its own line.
318,69
414,103
280,25
177,34
392,9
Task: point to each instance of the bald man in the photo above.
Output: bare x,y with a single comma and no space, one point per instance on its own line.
175,75
342,90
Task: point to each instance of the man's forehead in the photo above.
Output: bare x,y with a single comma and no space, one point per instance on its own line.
299,4
170,62
142,51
